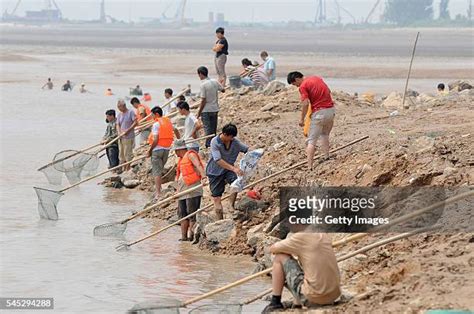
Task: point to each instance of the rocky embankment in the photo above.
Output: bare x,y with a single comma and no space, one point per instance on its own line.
427,142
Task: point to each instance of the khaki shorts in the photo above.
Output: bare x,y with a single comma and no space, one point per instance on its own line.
321,125
158,161
126,146
220,65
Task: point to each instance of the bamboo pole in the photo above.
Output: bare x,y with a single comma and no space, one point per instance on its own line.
246,187
409,70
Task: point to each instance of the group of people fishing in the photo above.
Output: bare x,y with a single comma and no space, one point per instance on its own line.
305,261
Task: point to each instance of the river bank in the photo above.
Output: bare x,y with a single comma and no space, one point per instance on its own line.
429,144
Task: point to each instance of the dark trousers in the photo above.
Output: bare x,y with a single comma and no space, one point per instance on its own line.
113,155
209,121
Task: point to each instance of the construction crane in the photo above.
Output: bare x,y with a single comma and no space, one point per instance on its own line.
178,17
320,16
372,11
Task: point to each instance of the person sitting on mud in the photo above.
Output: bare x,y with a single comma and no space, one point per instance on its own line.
315,92
251,75
160,140
189,174
110,134
67,87
442,90
225,149
313,278
48,84
191,125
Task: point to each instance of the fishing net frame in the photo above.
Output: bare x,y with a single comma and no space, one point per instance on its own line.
48,203
85,164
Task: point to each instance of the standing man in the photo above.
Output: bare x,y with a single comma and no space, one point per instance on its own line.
189,174
221,48
126,122
110,134
48,84
314,278
315,92
191,126
160,140
269,66
172,106
209,107
142,111
225,149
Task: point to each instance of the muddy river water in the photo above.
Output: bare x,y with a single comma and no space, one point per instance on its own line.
62,259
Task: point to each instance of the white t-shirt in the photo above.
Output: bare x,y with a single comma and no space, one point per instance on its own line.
155,130
189,124
169,108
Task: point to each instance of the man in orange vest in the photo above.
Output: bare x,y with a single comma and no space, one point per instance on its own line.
189,174
160,140
142,111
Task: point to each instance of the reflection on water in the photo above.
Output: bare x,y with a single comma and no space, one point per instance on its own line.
62,259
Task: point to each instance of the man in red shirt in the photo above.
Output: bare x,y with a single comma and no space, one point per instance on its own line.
316,93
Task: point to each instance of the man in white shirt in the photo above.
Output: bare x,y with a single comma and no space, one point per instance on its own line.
172,106
191,126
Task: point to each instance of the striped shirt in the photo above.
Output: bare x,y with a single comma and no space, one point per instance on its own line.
258,76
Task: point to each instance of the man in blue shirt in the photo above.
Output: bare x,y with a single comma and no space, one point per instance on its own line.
220,170
269,65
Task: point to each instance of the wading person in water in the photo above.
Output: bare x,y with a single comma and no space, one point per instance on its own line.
225,148
189,174
313,278
317,102
48,84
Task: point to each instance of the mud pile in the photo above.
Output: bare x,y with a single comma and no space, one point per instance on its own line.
429,144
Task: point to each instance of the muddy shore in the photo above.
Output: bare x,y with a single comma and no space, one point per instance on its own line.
429,144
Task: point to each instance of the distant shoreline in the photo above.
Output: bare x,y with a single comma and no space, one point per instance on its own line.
443,42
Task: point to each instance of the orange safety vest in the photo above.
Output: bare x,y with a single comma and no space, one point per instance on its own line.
186,169
147,112
165,135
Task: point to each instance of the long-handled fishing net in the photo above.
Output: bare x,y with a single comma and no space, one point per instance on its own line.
48,199
80,166
119,227
126,246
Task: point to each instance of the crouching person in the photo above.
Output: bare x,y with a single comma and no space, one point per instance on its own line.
314,278
189,174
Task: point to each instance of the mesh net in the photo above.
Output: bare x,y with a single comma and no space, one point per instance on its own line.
217,309
165,306
78,166
47,203
113,229
52,175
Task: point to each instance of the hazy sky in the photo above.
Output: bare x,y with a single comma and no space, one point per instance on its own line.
241,10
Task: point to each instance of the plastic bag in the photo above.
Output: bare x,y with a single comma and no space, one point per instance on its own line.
248,165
